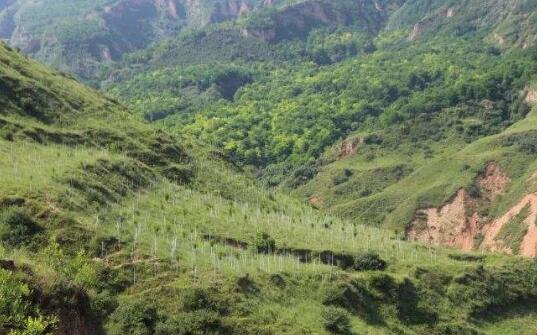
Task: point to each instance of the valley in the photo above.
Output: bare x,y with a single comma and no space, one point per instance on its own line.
268,167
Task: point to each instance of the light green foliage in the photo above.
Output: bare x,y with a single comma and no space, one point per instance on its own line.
77,268
16,310
151,233
14,305
35,326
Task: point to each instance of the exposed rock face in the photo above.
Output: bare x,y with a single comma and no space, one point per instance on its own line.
419,28
316,201
493,182
265,35
106,55
230,9
349,147
531,96
296,20
174,9
121,26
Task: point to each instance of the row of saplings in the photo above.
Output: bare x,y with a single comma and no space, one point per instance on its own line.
368,261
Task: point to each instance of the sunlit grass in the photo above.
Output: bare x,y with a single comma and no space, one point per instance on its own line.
29,167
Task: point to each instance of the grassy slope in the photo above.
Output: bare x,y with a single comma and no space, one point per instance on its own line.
105,195
432,181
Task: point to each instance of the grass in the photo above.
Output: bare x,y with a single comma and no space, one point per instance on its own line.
520,320
29,167
118,230
431,181
191,214
514,231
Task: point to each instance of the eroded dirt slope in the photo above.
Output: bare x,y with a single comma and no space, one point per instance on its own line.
459,223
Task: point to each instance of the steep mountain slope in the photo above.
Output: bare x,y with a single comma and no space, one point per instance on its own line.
77,36
178,78
462,195
440,77
109,226
504,23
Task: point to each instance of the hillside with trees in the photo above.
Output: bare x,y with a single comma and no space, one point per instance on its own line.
268,167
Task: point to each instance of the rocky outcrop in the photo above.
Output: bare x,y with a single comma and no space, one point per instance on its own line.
427,23
458,223
230,9
295,21
419,28
349,147
172,7
531,96
263,34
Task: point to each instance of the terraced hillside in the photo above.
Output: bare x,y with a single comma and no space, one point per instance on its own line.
109,226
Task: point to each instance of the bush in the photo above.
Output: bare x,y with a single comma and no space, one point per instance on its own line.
17,227
196,299
456,329
16,312
369,262
303,174
264,243
526,142
342,177
336,320
204,322
134,317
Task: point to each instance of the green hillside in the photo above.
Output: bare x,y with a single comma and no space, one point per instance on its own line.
404,91
78,36
268,167
114,227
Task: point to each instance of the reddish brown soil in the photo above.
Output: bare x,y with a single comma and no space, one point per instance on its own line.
448,225
457,223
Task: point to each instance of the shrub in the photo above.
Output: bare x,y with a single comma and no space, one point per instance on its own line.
264,243
352,296
134,317
525,141
196,299
203,322
369,262
342,177
16,311
336,320
17,227
303,174
456,329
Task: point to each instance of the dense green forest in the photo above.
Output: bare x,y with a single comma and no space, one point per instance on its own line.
268,167
281,113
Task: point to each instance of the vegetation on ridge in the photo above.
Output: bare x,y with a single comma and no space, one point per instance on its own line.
109,224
